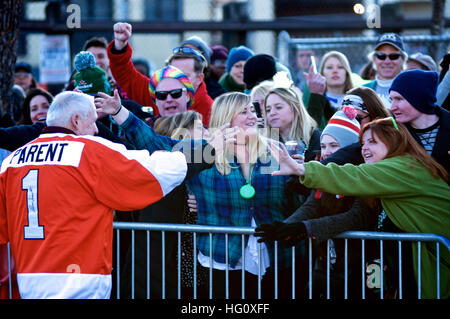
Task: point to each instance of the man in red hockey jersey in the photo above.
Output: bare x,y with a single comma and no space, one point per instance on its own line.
58,193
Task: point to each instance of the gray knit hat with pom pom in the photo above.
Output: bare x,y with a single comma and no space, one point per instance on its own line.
90,79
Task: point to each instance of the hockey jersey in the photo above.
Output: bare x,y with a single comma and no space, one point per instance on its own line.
57,196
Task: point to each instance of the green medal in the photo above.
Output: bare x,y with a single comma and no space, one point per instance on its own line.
247,191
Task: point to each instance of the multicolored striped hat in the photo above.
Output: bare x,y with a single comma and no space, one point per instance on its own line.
343,126
174,73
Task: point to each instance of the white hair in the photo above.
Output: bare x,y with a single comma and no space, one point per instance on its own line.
65,105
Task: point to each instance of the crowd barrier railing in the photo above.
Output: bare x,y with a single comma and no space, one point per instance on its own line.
364,236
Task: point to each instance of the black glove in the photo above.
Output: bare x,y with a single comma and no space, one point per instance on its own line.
267,232
291,234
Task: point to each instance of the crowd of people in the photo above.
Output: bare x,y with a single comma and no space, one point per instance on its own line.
204,140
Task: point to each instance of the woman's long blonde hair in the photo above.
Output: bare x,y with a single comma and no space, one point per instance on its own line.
303,125
224,109
262,89
178,125
343,59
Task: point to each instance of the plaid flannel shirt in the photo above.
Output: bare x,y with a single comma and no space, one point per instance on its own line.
218,199
219,203
144,137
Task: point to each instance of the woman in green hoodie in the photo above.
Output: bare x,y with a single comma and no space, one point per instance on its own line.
411,186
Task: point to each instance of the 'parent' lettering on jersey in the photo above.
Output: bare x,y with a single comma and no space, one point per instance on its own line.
55,153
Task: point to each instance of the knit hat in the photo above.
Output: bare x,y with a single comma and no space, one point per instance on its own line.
90,79
240,53
419,88
343,126
425,60
174,73
259,68
199,45
219,52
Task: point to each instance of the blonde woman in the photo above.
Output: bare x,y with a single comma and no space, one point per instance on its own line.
325,90
338,74
239,191
285,112
179,126
182,125
258,94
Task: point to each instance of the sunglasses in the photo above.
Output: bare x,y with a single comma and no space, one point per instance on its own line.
383,56
175,94
190,50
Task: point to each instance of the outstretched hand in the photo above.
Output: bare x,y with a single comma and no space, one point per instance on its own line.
316,82
288,165
289,234
107,104
267,232
223,136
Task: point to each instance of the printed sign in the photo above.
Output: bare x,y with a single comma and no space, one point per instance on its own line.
54,64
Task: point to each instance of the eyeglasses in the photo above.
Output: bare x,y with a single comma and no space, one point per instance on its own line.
175,94
191,51
383,56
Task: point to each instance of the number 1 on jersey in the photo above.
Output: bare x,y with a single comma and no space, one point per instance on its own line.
30,184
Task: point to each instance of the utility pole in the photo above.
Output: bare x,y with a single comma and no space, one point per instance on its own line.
437,27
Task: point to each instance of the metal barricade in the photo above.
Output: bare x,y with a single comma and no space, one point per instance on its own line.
245,231
363,236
